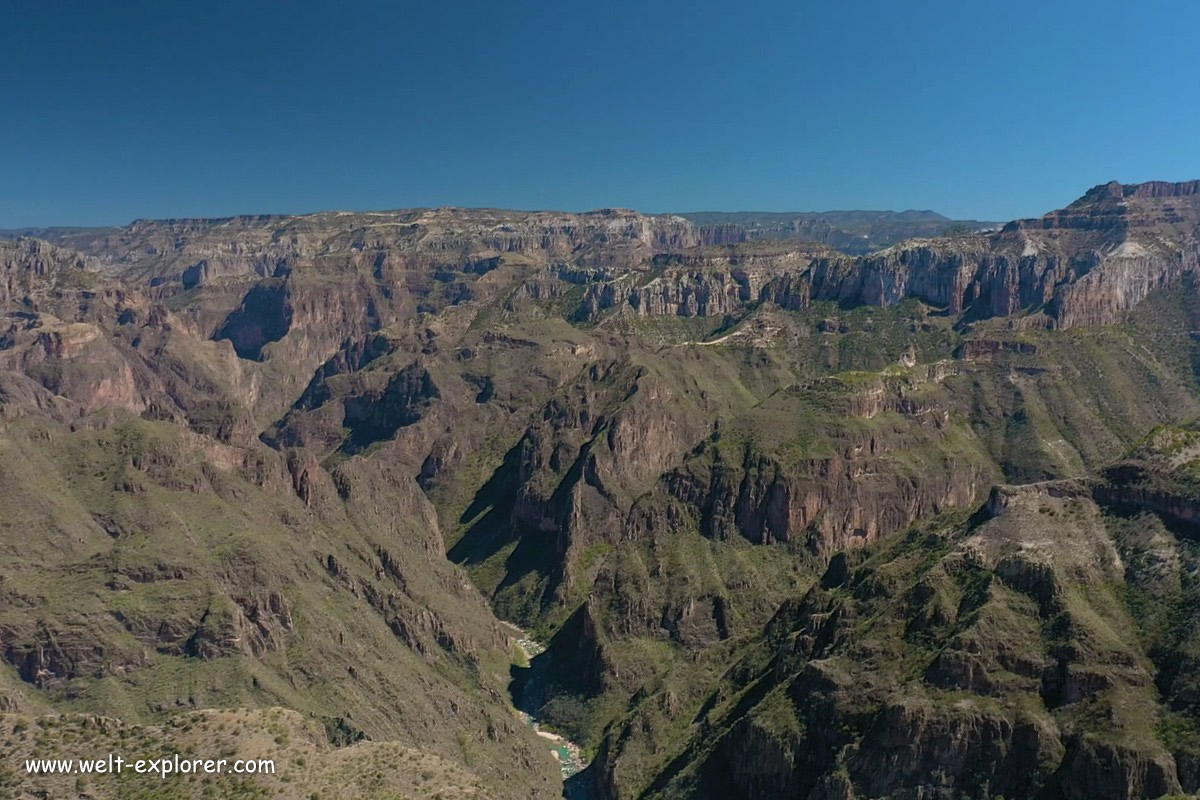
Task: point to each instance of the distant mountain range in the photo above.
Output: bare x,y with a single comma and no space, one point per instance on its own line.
854,232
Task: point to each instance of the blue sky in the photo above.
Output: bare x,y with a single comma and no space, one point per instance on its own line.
142,108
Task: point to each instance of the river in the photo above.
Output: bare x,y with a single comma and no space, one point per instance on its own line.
528,695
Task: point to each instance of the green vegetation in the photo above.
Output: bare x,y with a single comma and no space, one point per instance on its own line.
165,575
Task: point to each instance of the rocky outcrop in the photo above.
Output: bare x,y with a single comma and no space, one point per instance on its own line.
265,316
987,349
1086,265
75,361
857,490
377,416
1122,495
705,284
597,447
30,267
824,504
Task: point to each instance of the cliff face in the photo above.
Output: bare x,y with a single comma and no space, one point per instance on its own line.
31,269
1071,288
175,255
1085,265
884,457
1160,475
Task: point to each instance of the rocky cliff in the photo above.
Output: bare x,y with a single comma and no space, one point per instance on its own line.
1087,264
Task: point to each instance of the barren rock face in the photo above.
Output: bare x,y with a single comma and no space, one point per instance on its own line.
1086,265
29,264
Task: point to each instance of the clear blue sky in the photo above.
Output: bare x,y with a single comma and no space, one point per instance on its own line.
117,109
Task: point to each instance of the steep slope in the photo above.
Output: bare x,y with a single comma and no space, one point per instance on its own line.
1043,647
158,557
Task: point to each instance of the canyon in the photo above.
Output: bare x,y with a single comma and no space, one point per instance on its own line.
823,506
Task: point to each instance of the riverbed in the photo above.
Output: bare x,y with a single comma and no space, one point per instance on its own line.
528,696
